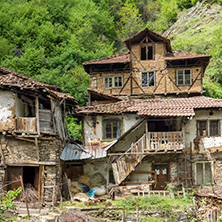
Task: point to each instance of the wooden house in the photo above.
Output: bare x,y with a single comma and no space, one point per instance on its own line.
32,134
147,122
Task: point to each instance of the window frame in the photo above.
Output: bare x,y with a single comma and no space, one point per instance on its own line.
200,121
184,79
147,74
208,127
147,45
113,82
219,131
204,172
104,130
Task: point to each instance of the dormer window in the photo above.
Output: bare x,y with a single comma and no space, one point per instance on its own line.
113,82
147,52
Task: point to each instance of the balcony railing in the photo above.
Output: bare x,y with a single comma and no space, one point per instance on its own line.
165,141
26,124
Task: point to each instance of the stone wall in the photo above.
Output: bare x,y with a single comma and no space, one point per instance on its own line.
22,153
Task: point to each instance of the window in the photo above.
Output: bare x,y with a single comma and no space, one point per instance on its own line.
113,82
204,173
202,128
111,128
147,79
214,128
147,52
183,77
208,128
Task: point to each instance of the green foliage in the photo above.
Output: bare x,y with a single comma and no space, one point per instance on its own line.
130,21
6,202
151,219
74,127
161,203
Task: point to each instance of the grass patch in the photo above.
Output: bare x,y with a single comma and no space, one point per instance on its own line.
166,204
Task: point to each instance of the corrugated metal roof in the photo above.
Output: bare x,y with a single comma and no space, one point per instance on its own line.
72,152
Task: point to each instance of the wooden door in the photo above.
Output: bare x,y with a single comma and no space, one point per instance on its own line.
12,179
162,176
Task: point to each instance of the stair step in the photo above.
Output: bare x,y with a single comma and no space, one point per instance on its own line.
32,212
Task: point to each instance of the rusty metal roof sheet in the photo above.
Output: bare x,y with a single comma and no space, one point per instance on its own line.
74,152
155,107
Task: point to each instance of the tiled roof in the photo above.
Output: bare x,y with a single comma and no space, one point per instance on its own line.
155,107
61,95
147,31
180,55
125,58
97,92
114,108
16,79
121,58
11,78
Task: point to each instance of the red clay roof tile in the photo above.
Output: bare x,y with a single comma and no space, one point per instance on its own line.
121,58
155,107
181,55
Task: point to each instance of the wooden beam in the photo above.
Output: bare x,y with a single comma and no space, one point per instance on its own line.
131,83
138,84
124,85
37,114
33,163
195,80
23,189
37,148
3,157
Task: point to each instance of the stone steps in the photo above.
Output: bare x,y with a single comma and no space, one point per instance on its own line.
32,212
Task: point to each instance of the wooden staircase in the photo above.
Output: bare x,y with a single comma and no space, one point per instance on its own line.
128,161
149,143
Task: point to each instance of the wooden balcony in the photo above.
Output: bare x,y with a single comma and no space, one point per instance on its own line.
165,141
26,124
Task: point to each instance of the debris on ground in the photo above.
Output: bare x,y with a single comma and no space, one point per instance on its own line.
84,179
81,197
97,180
98,201
74,217
99,191
31,194
75,187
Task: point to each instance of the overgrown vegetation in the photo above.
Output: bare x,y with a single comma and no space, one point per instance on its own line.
6,201
49,39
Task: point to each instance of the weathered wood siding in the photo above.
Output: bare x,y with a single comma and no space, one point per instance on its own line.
26,124
45,121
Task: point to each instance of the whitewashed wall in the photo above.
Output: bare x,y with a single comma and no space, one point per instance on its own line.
93,134
7,103
191,130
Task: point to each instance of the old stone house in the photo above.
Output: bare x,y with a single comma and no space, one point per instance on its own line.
32,133
147,121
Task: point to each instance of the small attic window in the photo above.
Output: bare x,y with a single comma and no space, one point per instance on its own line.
146,52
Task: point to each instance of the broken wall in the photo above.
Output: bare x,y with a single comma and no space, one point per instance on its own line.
94,133
205,142
7,110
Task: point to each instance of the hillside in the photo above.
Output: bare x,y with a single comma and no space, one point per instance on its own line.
198,30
